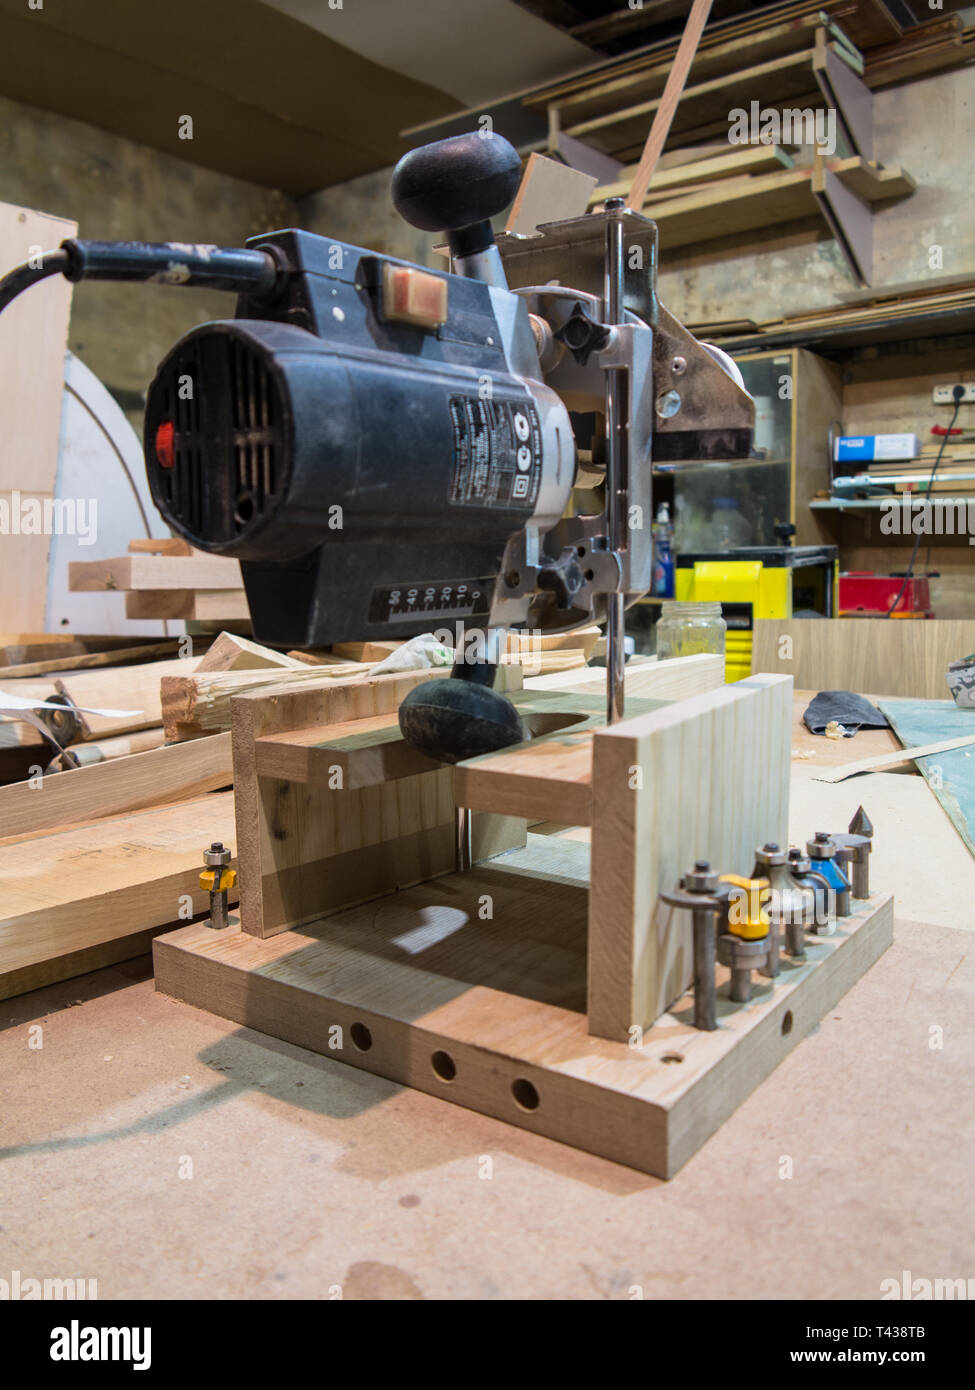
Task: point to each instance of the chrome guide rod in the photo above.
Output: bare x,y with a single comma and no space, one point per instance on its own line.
616,464
494,645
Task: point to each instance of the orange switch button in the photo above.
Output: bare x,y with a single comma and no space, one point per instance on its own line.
414,296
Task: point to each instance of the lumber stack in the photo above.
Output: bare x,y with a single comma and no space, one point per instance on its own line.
731,203
168,579
610,105
917,310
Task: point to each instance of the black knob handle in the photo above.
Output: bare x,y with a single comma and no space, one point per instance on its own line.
457,182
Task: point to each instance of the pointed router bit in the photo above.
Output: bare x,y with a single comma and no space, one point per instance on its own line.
861,824
855,850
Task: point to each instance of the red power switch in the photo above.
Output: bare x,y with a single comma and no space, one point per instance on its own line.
165,435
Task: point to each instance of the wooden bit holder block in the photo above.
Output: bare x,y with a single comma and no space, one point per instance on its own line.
539,988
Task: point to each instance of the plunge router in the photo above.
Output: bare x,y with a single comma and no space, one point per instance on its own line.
387,448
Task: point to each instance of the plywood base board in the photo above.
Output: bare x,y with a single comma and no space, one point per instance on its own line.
489,1013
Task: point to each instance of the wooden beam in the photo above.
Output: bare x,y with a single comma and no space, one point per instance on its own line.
155,572
88,661
135,688
71,890
231,652
198,703
675,679
201,605
361,753
174,773
664,115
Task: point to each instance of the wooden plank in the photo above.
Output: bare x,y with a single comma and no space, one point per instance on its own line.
652,680
155,572
898,658
88,661
664,114
202,605
231,652
363,753
74,963
647,73
135,688
731,163
489,1014
198,703
899,755
743,207
548,779
68,891
782,78
33,338
705,778
175,773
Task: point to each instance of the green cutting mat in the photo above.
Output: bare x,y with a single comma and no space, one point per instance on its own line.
951,776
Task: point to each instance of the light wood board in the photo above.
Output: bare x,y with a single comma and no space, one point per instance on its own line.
175,773
155,572
489,1014
705,778
135,688
33,338
70,890
899,658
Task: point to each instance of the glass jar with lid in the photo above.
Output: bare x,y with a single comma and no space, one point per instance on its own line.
689,629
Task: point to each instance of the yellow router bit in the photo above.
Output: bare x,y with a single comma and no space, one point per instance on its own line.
217,878
744,947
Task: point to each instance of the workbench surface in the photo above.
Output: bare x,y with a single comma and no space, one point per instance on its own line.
169,1154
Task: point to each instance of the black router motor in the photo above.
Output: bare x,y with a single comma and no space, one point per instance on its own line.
388,449
361,441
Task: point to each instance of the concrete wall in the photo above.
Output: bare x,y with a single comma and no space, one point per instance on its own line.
117,189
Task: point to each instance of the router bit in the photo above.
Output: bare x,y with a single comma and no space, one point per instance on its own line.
822,852
699,894
218,878
744,946
770,862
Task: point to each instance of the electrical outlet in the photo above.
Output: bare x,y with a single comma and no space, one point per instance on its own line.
941,395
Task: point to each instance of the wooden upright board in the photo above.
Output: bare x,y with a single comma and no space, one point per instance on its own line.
705,778
33,338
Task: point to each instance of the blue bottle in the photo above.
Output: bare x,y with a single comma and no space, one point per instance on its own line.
662,584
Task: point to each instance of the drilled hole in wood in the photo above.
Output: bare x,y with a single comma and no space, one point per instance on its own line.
672,1057
444,1065
525,1094
361,1036
787,1023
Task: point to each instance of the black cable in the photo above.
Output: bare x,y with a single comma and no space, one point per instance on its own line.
243,270
959,392
20,279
